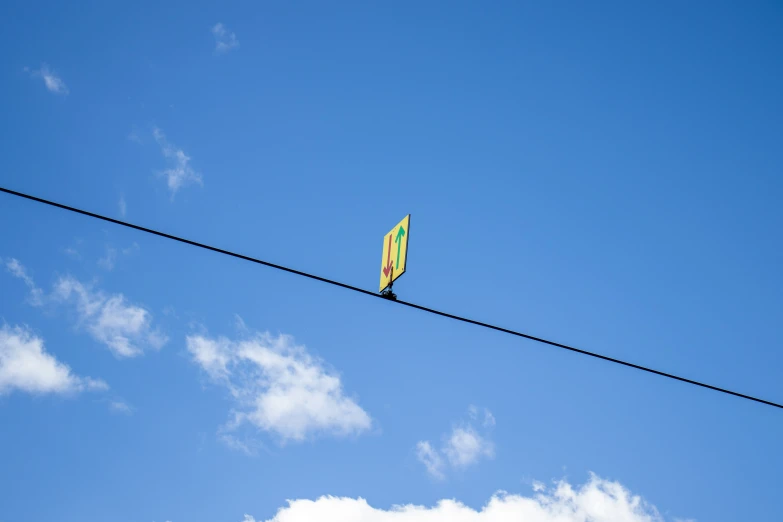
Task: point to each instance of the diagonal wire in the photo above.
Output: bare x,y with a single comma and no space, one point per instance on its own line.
403,303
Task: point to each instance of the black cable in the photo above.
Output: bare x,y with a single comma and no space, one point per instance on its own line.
404,303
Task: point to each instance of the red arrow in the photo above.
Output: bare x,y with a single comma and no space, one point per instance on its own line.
387,269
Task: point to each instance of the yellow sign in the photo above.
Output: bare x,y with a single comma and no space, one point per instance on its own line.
395,252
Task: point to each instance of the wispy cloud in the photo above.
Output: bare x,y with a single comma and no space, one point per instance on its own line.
430,458
133,136
52,81
475,414
225,40
72,251
120,406
248,447
109,259
462,447
125,328
180,173
465,447
278,387
18,270
26,366
596,500
123,207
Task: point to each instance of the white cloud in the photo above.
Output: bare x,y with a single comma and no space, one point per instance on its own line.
180,173
463,447
213,355
598,500
26,366
119,406
430,458
249,448
240,325
52,81
489,419
109,260
122,206
18,270
124,328
94,384
278,387
225,40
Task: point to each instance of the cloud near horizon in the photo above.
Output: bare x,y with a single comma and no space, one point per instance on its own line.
598,500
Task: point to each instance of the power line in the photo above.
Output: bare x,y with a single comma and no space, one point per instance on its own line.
403,303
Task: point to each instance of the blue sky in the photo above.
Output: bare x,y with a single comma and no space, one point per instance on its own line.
603,175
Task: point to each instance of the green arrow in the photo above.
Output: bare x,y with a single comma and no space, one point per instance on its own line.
400,234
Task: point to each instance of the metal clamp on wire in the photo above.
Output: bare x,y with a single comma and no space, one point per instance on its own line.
387,292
